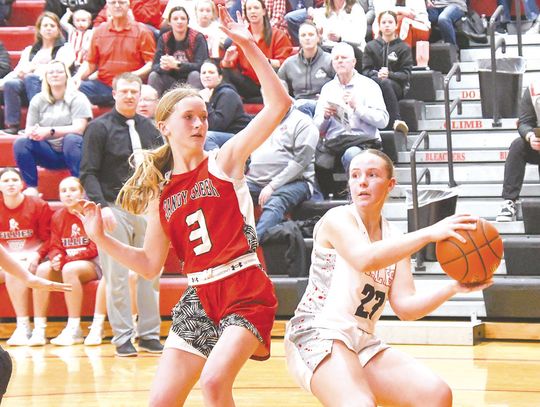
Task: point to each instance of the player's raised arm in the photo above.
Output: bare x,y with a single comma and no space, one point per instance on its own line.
276,100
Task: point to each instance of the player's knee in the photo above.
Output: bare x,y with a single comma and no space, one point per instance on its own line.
214,385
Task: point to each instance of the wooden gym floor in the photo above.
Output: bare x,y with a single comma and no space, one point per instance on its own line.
493,373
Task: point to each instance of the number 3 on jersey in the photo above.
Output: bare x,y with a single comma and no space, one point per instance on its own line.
200,233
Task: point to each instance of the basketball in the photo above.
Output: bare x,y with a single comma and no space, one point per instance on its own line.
474,261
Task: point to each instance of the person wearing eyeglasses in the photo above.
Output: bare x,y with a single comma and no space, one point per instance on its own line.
148,102
119,45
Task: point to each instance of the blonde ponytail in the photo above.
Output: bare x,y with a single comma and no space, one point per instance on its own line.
145,184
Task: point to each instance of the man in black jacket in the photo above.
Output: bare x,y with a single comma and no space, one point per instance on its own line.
525,149
105,167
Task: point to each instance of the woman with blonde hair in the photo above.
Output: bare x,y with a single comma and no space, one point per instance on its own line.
30,71
57,118
199,202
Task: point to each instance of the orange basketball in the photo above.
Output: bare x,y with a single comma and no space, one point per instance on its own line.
474,261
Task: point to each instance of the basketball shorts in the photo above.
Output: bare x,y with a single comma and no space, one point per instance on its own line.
303,361
245,299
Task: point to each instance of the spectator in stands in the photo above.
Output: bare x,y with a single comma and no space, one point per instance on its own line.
5,11
342,20
72,259
79,33
147,102
273,43
445,13
281,172
147,12
207,24
226,115
524,149
531,12
359,262
57,118
59,7
29,72
412,17
24,233
119,45
180,54
299,15
349,113
109,141
306,72
5,62
388,61
188,5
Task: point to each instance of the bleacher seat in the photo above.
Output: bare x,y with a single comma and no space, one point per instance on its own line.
17,38
26,12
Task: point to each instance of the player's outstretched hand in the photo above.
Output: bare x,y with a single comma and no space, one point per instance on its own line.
90,216
47,285
448,227
236,31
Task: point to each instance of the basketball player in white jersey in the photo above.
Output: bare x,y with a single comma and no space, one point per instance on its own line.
359,261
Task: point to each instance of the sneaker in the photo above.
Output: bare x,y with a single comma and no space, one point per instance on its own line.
68,337
401,126
11,130
19,337
37,338
150,345
508,212
535,28
95,337
126,350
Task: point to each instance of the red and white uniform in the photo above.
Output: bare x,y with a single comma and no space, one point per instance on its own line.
209,220
69,240
25,228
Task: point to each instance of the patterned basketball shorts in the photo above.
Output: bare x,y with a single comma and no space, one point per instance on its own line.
194,331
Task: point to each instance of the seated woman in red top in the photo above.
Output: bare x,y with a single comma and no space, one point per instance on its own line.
274,44
72,259
24,233
199,203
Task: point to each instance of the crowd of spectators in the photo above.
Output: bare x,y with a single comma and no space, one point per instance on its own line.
346,63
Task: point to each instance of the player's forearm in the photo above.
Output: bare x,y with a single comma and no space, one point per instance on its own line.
418,305
134,258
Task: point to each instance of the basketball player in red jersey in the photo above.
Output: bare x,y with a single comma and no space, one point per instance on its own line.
359,262
199,202
24,233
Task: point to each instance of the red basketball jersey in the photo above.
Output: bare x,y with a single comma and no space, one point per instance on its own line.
68,238
26,227
207,216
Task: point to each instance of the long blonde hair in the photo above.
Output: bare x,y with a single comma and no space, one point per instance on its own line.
46,87
145,183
